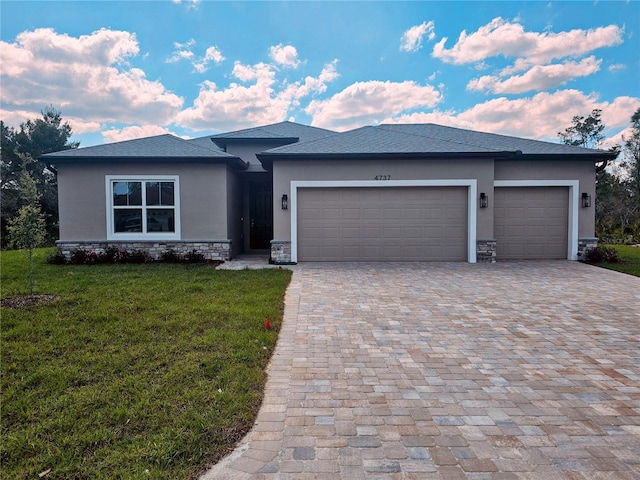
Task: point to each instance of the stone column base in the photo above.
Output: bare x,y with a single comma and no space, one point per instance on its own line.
486,251
281,252
585,244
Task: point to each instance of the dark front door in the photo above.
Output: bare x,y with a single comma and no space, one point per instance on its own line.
260,215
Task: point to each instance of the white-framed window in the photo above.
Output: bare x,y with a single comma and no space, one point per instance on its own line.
143,207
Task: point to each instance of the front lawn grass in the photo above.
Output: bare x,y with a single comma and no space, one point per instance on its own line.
630,260
136,371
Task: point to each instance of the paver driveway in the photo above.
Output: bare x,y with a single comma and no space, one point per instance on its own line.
511,370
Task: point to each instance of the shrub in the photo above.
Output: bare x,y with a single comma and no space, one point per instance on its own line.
134,256
110,254
56,258
194,257
78,257
601,254
170,256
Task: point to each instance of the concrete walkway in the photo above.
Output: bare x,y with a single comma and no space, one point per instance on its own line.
524,370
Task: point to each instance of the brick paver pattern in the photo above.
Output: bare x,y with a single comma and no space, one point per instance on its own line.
523,370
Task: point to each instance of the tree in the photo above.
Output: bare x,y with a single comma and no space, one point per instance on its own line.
27,229
584,132
631,153
630,209
34,138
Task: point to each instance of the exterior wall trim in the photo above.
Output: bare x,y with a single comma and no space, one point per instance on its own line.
574,205
472,193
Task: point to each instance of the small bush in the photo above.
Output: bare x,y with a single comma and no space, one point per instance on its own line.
170,256
194,257
78,257
601,254
134,256
56,258
111,254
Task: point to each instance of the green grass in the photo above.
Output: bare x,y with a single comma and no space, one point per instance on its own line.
630,257
136,371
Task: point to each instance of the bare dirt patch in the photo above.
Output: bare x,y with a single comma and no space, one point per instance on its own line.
27,301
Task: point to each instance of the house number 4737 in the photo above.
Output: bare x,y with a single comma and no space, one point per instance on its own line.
382,177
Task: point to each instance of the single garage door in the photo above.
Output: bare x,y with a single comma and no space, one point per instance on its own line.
382,224
531,222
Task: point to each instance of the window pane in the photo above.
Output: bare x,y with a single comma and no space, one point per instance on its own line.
135,193
127,220
153,193
127,193
167,193
120,193
161,220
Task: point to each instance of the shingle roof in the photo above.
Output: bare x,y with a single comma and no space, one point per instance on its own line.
488,140
284,131
423,139
205,142
158,147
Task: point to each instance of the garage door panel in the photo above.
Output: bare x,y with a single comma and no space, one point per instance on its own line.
351,232
536,212
412,213
392,232
331,214
371,214
433,214
383,223
412,233
531,222
514,230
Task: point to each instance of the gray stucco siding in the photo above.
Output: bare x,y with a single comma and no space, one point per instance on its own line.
82,197
284,172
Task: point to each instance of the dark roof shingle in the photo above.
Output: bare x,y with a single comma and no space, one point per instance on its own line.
158,147
285,131
426,139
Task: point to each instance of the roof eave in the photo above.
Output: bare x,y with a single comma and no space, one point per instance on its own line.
594,157
234,162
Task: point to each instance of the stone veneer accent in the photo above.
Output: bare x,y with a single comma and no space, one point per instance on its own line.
281,251
486,251
585,244
211,250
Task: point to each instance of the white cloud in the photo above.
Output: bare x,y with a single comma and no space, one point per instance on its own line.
369,102
617,67
539,77
298,90
509,39
285,55
182,51
85,77
541,116
133,132
412,38
190,4
262,101
212,54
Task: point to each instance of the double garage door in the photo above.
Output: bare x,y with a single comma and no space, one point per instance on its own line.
382,224
531,222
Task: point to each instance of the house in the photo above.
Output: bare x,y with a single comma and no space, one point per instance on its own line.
407,192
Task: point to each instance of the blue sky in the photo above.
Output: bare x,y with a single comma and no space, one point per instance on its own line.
121,70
